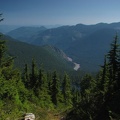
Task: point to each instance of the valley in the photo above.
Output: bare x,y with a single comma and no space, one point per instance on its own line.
49,77
85,44
59,60
77,66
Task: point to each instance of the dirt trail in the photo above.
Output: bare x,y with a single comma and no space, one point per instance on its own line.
55,117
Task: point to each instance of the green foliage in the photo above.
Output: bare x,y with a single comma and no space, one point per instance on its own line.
19,93
67,90
55,89
113,61
97,99
100,98
12,90
87,84
49,58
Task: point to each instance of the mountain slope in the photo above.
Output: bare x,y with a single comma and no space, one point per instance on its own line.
90,50
85,44
48,60
59,36
25,33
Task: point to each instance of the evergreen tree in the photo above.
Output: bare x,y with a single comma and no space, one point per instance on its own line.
42,91
119,71
75,96
55,89
2,52
87,84
12,90
41,84
109,83
113,62
100,99
103,78
49,78
66,90
114,80
33,75
26,77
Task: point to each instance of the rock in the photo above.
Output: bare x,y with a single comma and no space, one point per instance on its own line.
29,116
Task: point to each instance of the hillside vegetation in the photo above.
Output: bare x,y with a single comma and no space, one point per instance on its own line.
50,58
24,34
50,96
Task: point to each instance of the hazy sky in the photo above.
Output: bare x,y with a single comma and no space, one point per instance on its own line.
64,12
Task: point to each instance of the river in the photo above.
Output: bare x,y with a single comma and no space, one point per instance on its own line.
77,66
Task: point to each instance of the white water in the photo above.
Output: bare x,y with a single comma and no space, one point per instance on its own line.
77,66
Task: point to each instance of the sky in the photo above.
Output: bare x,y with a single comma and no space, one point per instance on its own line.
59,12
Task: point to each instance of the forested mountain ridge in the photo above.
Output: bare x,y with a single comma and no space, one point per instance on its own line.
80,42
61,34
91,49
46,57
25,33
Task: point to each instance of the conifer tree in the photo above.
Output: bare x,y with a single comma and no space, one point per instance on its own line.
101,98
66,90
55,89
41,84
109,82
26,77
2,52
113,62
87,85
49,79
42,91
103,77
75,96
118,84
12,90
33,75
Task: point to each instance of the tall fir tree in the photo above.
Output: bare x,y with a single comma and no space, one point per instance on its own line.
87,85
103,78
109,82
26,77
12,90
55,89
119,70
42,90
33,75
67,90
113,63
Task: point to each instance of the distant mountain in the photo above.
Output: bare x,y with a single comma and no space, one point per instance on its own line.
90,51
7,28
85,44
63,37
24,34
45,56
